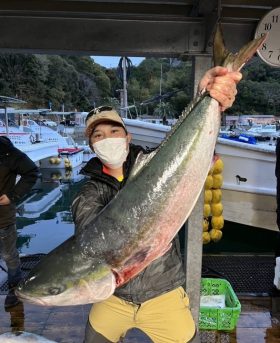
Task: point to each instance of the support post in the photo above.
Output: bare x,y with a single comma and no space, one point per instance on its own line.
193,230
124,87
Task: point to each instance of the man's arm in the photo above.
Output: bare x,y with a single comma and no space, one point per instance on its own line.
28,172
89,201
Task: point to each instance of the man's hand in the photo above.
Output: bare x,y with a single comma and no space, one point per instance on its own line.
221,85
4,200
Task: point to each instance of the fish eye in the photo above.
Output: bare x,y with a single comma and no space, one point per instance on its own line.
55,290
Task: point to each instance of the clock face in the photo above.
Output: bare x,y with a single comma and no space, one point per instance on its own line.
269,52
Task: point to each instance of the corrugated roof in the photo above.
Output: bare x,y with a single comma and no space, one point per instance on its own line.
129,27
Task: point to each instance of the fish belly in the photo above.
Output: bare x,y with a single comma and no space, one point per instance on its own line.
178,205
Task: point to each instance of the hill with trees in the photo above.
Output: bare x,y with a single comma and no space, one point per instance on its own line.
78,83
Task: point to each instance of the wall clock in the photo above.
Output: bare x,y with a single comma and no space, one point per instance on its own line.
269,52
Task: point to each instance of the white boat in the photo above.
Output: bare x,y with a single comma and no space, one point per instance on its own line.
17,136
24,141
144,133
66,155
42,133
249,186
66,158
259,130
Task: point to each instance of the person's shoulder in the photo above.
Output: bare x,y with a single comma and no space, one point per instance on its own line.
136,149
92,166
17,153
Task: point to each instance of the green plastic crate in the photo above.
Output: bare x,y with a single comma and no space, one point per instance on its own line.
211,318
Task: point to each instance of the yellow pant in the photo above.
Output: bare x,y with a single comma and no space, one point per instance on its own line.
164,319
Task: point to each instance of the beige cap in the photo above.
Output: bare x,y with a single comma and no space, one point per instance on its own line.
100,114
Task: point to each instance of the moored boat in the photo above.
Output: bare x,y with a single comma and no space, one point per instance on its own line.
249,182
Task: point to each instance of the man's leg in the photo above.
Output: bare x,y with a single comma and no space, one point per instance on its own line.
9,253
167,318
91,336
111,318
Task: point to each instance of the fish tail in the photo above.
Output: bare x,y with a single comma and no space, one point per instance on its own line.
234,62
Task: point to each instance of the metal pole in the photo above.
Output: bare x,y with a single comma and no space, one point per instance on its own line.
193,231
124,87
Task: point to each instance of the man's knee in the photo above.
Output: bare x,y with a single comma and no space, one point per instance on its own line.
92,336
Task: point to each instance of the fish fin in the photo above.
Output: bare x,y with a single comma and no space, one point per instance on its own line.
220,53
234,62
141,160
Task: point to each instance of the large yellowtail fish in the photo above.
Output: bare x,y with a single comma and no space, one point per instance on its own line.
138,225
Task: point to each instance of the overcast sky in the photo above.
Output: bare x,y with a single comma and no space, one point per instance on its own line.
112,62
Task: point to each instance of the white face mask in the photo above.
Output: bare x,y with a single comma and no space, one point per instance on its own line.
112,152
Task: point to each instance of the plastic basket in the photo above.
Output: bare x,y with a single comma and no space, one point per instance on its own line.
211,318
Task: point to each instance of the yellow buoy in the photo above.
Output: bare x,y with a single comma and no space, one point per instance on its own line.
217,181
215,235
206,237
216,196
206,210
217,209
218,166
207,196
217,222
205,224
208,182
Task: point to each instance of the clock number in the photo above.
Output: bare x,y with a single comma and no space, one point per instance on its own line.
275,18
270,52
267,26
264,46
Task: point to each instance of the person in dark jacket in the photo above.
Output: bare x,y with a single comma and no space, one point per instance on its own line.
154,301
13,163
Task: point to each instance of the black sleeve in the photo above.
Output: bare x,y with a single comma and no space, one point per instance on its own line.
88,201
28,172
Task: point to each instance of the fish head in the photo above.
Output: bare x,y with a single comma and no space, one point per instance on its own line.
65,277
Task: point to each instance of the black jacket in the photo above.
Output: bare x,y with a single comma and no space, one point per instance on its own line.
162,275
13,163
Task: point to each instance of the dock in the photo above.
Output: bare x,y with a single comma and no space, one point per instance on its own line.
259,321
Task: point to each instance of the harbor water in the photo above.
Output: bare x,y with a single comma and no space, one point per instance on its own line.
44,219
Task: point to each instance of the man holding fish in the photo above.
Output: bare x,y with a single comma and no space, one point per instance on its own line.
125,255
153,301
